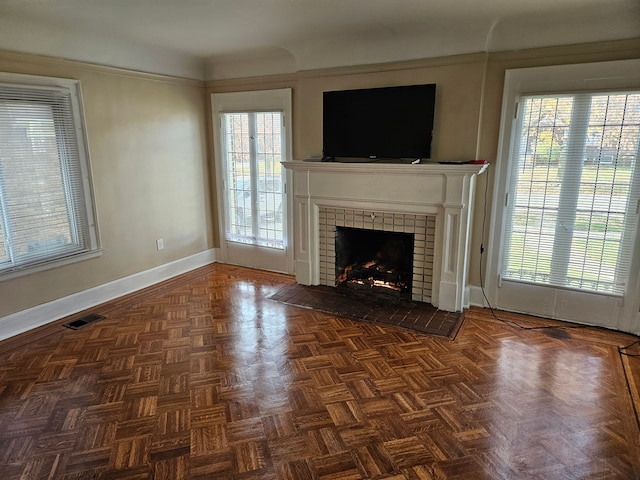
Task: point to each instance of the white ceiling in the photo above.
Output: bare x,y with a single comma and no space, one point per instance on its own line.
214,39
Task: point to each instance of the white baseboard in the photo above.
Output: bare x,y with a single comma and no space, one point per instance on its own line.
476,299
475,296
30,318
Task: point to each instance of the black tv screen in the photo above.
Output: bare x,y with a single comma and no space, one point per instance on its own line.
379,123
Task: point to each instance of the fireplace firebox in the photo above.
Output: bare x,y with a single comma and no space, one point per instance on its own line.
374,261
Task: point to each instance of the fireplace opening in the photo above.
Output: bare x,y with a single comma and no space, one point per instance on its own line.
374,260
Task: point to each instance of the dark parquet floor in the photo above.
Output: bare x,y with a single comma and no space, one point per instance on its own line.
205,377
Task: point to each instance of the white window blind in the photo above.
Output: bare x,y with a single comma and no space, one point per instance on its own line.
45,210
573,201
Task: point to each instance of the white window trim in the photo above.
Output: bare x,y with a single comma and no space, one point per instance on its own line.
94,248
589,77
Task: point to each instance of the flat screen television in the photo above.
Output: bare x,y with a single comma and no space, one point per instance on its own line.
379,123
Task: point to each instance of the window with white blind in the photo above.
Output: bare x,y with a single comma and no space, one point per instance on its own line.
46,212
573,208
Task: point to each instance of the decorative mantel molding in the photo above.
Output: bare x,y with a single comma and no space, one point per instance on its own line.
421,169
443,191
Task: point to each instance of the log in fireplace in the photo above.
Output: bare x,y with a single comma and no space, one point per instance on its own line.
374,261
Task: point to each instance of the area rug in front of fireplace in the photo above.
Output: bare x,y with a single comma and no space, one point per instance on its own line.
417,316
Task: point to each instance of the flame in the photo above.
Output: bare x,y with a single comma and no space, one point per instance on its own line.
371,282
377,283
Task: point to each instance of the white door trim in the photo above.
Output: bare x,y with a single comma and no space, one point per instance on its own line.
577,77
263,100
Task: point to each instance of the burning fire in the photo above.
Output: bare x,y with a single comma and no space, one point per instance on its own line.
378,283
369,281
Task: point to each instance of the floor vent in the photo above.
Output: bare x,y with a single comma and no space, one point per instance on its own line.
556,332
83,321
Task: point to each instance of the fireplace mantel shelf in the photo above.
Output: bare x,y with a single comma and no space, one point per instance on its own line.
442,191
391,168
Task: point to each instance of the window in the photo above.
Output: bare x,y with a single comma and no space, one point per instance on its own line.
253,175
573,219
46,212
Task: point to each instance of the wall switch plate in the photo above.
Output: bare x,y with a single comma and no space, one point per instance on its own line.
160,243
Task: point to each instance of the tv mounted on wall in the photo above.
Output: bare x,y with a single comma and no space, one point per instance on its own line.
379,123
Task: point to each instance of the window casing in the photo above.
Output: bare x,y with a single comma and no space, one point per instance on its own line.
46,207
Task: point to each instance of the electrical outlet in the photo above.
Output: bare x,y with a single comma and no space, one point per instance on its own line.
160,243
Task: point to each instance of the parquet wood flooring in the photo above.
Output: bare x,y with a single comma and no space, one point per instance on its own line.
205,377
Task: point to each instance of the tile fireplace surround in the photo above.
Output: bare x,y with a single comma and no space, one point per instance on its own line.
432,201
421,227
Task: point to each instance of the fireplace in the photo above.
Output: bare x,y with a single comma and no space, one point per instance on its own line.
374,261
432,202
418,251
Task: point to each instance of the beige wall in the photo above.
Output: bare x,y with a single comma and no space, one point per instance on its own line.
469,99
147,143
148,140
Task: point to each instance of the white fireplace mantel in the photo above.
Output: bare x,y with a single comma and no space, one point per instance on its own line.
441,190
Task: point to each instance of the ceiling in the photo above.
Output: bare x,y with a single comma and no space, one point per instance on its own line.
216,39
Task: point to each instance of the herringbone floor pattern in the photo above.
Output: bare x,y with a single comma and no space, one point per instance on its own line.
204,377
